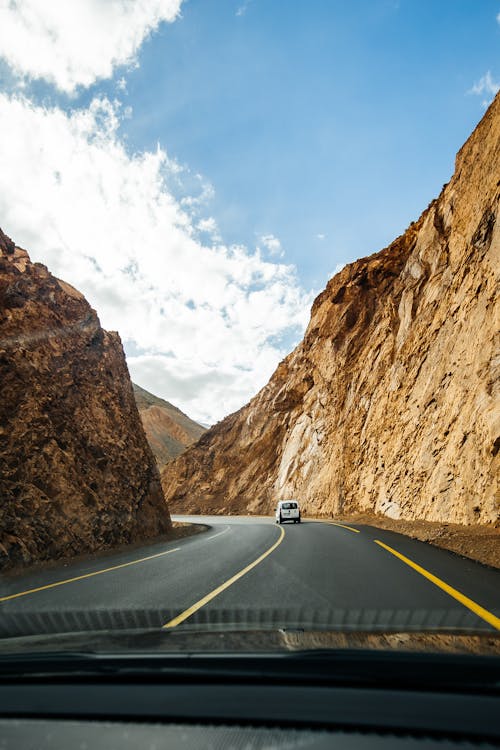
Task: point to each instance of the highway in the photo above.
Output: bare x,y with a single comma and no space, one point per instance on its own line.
248,572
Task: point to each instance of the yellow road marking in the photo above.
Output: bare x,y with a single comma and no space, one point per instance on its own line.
490,618
201,603
332,523
87,575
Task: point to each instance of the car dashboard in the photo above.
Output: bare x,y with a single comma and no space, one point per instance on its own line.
249,701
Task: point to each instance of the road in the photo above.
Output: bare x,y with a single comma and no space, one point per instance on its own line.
250,572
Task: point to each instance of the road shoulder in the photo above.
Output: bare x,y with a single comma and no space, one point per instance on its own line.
479,543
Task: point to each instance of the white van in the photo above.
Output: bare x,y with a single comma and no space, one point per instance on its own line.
287,510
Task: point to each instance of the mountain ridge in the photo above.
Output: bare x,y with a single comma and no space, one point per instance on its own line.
77,474
169,431
390,402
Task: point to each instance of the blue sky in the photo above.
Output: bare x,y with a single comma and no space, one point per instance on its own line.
319,118
199,169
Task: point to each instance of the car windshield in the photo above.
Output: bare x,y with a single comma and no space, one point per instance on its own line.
249,357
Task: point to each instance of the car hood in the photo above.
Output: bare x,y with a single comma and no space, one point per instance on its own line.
189,640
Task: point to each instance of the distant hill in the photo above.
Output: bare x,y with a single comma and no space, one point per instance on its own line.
168,430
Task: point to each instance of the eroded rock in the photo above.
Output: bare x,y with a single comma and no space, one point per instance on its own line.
76,472
168,430
390,402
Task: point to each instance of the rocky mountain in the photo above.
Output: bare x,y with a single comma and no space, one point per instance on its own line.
76,472
390,402
168,430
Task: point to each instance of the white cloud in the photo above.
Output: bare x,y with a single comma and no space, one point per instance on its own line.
338,268
228,385
320,236
486,87
498,18
272,244
209,227
121,85
242,9
203,321
75,43
205,195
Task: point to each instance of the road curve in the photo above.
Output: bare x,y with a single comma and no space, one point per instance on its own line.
249,572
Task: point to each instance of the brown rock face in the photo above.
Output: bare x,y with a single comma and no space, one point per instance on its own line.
76,472
168,430
390,402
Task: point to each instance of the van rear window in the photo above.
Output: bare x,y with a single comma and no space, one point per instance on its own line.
288,506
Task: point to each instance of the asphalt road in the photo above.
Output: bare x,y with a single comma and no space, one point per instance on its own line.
247,572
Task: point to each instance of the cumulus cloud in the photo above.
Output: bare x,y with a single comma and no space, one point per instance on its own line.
206,324
486,87
190,382
71,44
210,228
272,244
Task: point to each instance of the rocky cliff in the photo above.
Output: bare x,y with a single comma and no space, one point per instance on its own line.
168,430
390,402
76,472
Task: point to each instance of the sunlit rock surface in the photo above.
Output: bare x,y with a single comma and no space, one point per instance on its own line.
169,431
390,402
76,472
